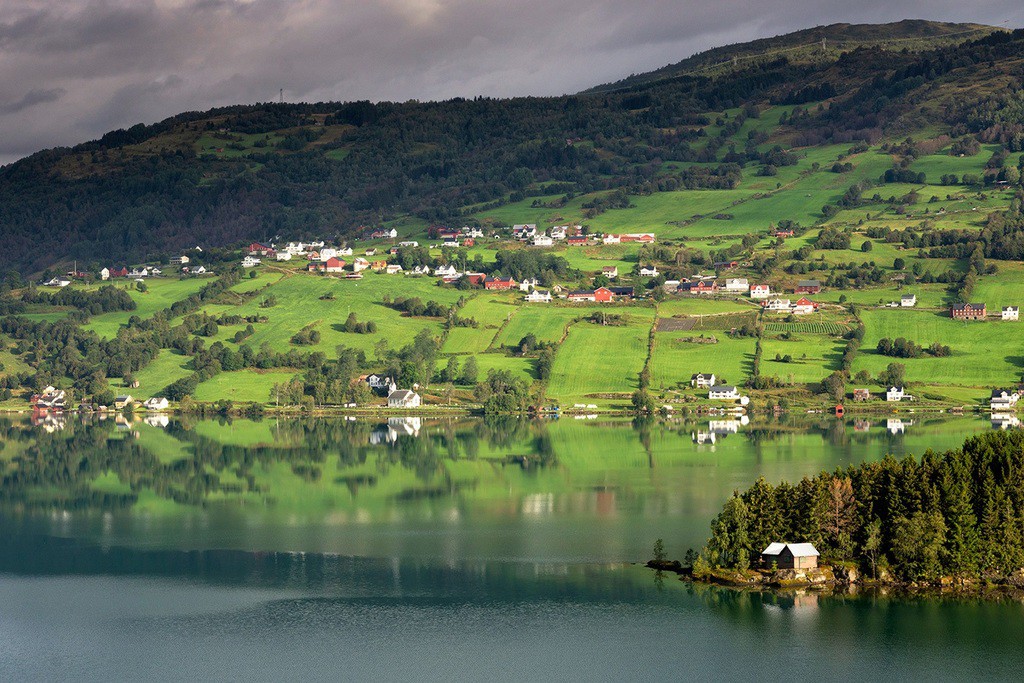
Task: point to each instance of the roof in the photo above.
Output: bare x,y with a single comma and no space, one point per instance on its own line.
1009,308
797,549
808,283
960,307
401,394
723,387
702,374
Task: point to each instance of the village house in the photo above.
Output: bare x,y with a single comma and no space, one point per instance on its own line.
393,269
499,283
527,284
559,232
599,295
384,234
776,304
123,401
781,233
760,292
576,241
360,264
648,271
611,239
894,394
524,231
445,271
861,394
542,241
968,311
804,306
539,297
382,384
345,251
119,272
331,265
155,403
105,274
283,256
699,287
421,270
51,399
250,261
808,287
610,272
472,232
1002,399
257,249
403,398
737,284
790,556
1010,313
57,282
726,265
475,278
723,392
702,380
908,300
409,243
641,237
454,244
379,265
180,260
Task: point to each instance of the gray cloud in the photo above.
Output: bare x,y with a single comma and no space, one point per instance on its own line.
88,66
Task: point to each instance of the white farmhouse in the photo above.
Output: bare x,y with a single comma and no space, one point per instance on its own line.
737,284
908,300
1011,313
403,398
760,292
894,394
539,297
648,271
723,392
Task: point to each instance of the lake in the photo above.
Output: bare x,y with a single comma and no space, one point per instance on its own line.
409,548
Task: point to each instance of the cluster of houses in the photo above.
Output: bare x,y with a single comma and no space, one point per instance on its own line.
716,391
969,311
52,399
383,385
892,395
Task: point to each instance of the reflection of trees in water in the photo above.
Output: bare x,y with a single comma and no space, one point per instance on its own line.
60,470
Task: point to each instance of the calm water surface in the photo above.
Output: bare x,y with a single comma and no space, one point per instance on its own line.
413,549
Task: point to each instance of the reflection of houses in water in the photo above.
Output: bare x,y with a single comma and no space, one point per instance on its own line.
897,426
538,504
861,425
1005,421
50,422
719,429
395,427
157,420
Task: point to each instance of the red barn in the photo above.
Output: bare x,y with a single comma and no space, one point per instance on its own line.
603,295
499,283
475,278
257,249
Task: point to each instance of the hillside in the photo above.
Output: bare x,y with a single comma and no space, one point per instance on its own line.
236,173
867,198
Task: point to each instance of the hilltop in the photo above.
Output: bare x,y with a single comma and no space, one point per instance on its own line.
245,172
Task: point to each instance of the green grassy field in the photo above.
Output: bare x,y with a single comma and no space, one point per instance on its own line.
985,354
243,385
582,367
814,357
674,360
160,293
169,366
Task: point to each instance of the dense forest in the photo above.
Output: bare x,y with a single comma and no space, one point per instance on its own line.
958,513
326,169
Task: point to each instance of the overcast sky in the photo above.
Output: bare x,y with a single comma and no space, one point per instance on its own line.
71,70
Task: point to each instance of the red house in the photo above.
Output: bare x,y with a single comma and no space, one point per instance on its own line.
603,295
257,249
577,241
969,311
700,287
331,265
119,272
782,233
475,278
499,283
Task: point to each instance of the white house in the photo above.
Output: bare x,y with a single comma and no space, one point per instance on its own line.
539,297
648,271
760,292
180,260
908,300
723,392
472,232
328,253
1011,313
702,380
347,251
250,261
105,274
155,404
737,284
610,272
283,256
403,398
450,243
409,243
527,284
446,271
381,383
360,264
777,305
542,241
421,270
559,232
393,269
57,282
524,231
894,394
611,239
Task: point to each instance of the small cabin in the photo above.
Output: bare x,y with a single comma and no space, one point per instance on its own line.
790,556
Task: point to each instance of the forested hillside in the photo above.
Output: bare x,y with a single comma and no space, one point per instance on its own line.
326,169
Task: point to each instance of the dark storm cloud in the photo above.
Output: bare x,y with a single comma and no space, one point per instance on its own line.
71,70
